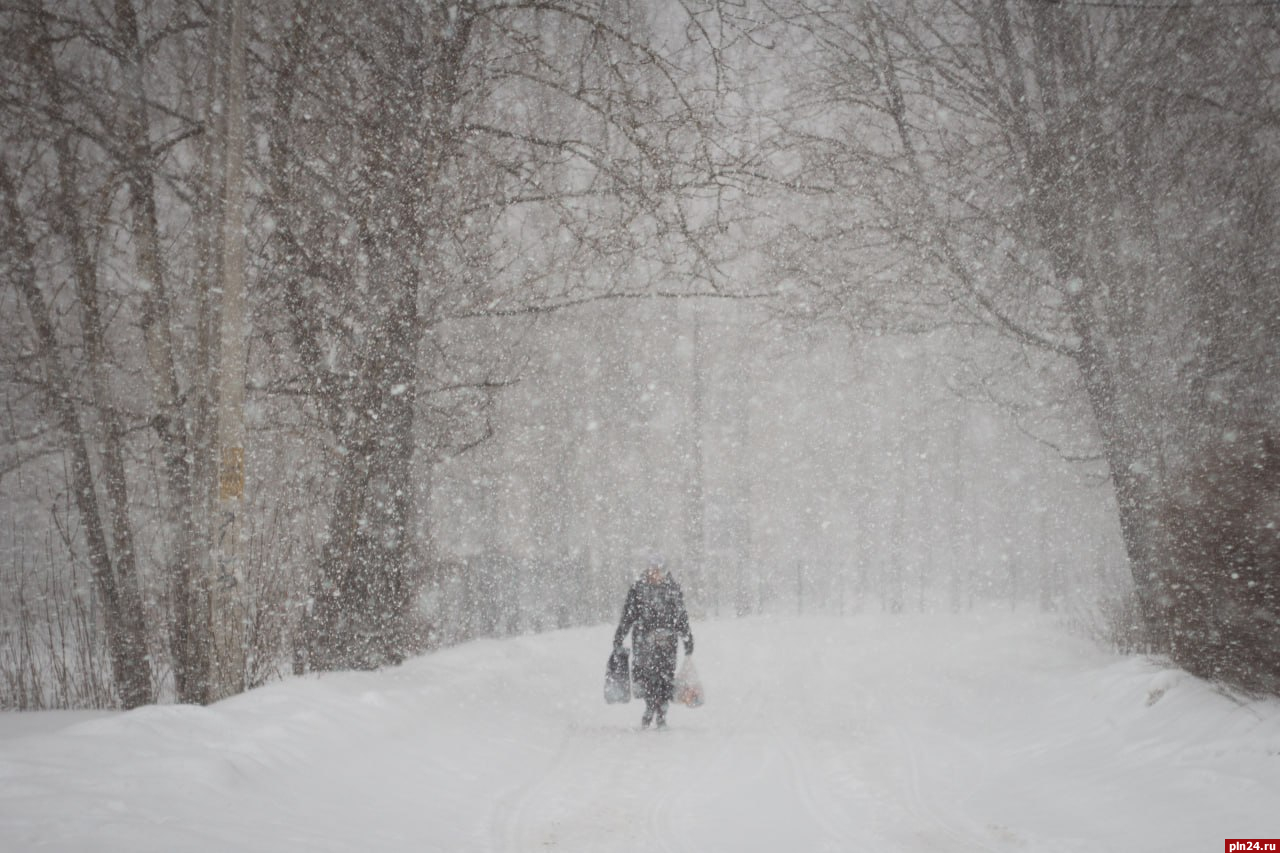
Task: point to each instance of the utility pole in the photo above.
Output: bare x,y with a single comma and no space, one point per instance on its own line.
695,500
228,599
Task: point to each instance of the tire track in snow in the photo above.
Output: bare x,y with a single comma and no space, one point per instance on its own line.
933,820
831,818
602,791
511,806
661,818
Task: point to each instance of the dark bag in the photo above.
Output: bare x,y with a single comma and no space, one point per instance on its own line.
617,677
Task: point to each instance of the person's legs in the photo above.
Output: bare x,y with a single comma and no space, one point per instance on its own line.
642,672
663,668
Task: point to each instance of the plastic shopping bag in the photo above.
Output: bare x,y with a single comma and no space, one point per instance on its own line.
688,688
617,677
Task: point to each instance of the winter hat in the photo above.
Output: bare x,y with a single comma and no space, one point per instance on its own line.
656,561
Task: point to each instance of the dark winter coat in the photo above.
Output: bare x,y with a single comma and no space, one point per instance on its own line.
656,612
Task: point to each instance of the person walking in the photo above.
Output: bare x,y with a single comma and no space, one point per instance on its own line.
655,612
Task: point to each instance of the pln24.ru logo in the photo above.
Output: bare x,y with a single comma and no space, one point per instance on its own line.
1248,845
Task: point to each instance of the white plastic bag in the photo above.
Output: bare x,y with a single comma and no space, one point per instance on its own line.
688,688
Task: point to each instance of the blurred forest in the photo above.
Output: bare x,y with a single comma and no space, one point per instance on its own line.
334,332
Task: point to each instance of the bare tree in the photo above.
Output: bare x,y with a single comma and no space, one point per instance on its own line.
128,102
411,169
114,569
1061,181
427,164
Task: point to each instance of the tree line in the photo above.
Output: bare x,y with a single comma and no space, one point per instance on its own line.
265,261
364,174
1096,184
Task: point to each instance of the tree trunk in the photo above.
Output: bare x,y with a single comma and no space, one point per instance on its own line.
228,600
190,640
117,585
361,611
361,602
695,492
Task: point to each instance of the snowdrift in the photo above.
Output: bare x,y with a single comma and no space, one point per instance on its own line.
986,731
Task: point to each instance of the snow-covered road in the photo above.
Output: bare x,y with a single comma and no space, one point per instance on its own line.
987,731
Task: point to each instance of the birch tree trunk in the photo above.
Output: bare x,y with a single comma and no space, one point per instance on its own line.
190,640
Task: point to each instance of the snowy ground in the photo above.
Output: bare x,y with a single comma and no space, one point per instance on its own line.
993,732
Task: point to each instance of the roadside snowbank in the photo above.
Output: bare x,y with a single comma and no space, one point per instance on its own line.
988,731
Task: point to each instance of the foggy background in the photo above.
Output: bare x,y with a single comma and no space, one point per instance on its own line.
834,474
333,333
